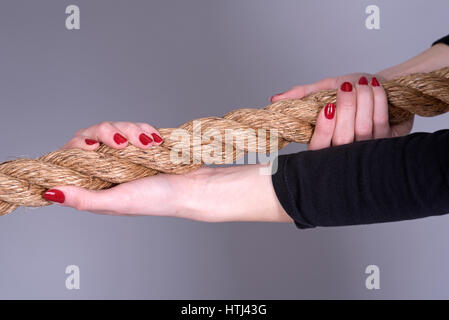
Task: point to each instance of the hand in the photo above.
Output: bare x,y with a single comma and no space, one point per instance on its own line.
361,111
115,135
237,193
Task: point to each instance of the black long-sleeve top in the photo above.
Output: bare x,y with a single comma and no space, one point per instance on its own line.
374,181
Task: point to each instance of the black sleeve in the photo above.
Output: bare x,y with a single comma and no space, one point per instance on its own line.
444,40
366,182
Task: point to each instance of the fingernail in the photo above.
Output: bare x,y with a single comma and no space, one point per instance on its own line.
276,95
346,86
374,82
91,141
54,195
156,137
146,140
119,139
329,111
363,81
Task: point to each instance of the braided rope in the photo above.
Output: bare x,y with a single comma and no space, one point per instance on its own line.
23,181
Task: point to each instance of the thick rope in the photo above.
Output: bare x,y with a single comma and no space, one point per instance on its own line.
23,181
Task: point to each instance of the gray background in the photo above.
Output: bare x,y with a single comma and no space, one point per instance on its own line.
167,62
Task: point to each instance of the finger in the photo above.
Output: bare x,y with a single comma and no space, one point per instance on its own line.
346,109
324,128
150,131
135,134
98,201
363,129
298,92
81,142
108,134
381,126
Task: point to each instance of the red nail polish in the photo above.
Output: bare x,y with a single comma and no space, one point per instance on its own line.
329,111
363,81
374,82
156,137
119,139
146,140
91,141
54,195
346,86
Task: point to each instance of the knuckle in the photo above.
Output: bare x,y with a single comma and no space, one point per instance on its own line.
104,124
346,105
342,140
364,93
79,132
298,90
363,129
145,126
104,127
323,130
81,204
329,81
381,120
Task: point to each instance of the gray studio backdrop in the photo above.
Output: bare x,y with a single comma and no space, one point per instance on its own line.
169,61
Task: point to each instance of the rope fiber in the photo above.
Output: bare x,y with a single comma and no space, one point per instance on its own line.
23,181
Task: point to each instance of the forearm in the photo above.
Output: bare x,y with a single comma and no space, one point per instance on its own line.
434,58
371,181
238,193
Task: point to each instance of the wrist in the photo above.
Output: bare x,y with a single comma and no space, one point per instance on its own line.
237,193
434,58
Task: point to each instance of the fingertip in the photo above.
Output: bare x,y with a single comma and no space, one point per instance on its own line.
346,86
54,195
90,144
157,138
276,97
145,140
120,140
70,196
329,111
324,128
374,82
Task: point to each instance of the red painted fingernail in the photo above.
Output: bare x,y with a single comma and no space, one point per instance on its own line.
329,111
156,137
346,87
91,141
374,82
119,139
54,195
363,81
146,140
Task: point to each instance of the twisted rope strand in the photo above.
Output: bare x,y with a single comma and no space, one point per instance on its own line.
23,181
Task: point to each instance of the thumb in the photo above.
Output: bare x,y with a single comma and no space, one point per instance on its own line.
99,201
298,92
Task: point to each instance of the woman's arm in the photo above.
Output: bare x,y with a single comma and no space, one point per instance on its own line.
434,58
241,193
366,182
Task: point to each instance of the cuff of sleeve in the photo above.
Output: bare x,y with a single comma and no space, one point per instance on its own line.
285,197
444,40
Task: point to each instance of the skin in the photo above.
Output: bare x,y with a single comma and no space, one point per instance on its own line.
241,193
